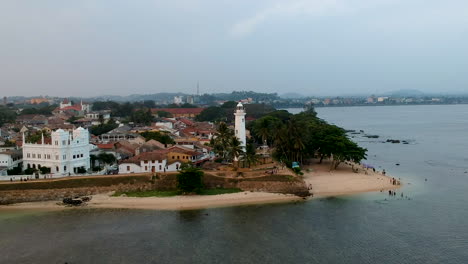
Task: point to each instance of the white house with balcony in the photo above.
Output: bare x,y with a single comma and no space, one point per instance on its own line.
65,152
9,159
148,162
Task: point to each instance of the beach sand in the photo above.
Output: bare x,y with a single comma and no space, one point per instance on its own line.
344,181
325,183
167,203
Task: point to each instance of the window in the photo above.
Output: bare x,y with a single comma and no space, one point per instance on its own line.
160,167
81,155
34,156
172,157
128,168
28,155
57,157
178,157
65,168
74,156
146,168
38,156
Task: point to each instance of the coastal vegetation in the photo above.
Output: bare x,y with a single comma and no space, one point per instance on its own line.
103,128
158,136
303,136
7,115
190,180
225,144
225,112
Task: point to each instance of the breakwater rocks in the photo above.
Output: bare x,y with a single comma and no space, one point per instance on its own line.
66,188
360,133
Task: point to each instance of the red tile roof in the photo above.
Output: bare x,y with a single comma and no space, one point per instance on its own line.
146,156
105,146
76,107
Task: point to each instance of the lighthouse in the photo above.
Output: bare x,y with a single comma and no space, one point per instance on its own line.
240,124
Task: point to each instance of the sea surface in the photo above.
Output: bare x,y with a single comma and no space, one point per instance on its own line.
429,224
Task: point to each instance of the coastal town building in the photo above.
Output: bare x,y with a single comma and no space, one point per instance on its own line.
120,133
64,152
9,159
148,162
240,124
66,106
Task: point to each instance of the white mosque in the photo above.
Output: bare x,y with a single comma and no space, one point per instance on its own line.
65,153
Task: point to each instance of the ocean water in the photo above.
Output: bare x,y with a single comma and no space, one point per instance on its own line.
430,226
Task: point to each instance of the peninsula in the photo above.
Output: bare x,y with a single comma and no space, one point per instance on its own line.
186,159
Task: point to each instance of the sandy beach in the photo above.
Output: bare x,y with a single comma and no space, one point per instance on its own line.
168,203
324,183
344,181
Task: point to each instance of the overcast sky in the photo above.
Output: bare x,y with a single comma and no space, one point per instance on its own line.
314,47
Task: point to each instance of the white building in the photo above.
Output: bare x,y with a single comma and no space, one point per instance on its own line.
65,153
240,124
178,100
148,162
9,160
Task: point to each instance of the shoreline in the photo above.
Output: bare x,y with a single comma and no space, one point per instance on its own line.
324,183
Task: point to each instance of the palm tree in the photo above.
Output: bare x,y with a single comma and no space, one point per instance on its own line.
234,148
262,128
250,156
294,131
221,140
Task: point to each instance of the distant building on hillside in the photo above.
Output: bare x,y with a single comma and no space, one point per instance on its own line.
178,100
63,153
39,100
76,109
180,112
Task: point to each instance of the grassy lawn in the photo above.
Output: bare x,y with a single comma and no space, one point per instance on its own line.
219,191
175,193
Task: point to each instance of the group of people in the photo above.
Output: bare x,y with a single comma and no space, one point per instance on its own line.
393,193
395,181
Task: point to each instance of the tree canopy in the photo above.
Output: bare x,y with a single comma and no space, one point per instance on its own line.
304,135
158,136
6,115
190,180
225,112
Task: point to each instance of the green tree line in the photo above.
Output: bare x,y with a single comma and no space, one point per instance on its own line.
304,135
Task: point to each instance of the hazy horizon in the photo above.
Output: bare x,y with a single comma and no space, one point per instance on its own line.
329,47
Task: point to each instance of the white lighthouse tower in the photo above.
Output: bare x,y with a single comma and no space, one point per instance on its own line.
240,124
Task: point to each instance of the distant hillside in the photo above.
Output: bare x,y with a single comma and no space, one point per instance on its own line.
291,96
407,93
